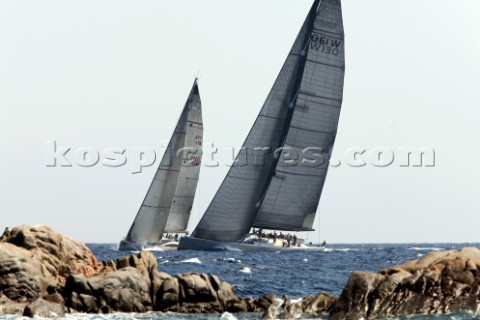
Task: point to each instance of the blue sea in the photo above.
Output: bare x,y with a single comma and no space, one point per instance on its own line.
296,274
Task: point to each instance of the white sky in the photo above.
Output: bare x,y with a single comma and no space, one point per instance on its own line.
116,74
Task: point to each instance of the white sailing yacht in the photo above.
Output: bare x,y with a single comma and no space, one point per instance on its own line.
298,121
168,203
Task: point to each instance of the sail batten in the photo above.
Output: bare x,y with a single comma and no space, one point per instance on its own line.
176,176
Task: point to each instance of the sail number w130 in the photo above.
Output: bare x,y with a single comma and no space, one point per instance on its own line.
325,44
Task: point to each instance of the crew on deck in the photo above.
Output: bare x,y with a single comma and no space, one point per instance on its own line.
288,240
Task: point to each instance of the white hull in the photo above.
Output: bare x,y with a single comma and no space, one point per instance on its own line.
150,246
190,243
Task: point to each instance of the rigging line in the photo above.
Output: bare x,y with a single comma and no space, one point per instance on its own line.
302,174
325,64
197,76
316,102
163,169
155,207
271,117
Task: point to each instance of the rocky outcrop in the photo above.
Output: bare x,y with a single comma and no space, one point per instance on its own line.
60,255
44,309
135,285
440,282
21,277
45,274
35,259
8,306
126,286
199,293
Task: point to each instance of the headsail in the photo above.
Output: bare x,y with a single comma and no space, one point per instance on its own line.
311,80
170,197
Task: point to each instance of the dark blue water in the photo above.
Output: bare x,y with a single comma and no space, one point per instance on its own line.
296,274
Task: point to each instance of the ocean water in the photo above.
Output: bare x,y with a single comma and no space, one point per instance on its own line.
296,274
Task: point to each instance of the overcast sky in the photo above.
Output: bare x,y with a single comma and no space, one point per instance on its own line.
103,74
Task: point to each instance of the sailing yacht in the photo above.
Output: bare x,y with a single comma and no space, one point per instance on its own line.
297,121
168,202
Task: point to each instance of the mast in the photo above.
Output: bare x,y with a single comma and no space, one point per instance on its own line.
151,219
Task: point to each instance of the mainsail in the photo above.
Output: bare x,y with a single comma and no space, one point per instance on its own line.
298,120
167,205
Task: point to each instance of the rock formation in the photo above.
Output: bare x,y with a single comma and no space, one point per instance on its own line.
36,259
45,274
439,282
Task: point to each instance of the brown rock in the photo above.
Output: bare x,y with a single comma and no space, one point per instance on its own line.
124,290
44,309
168,295
320,304
146,263
59,255
22,277
265,302
55,298
439,282
197,288
37,262
8,306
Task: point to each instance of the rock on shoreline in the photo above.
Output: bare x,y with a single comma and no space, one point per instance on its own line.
439,282
43,273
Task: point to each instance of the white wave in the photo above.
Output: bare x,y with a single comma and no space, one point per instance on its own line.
305,260
298,300
426,249
164,262
246,270
345,249
228,316
154,249
192,260
231,260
